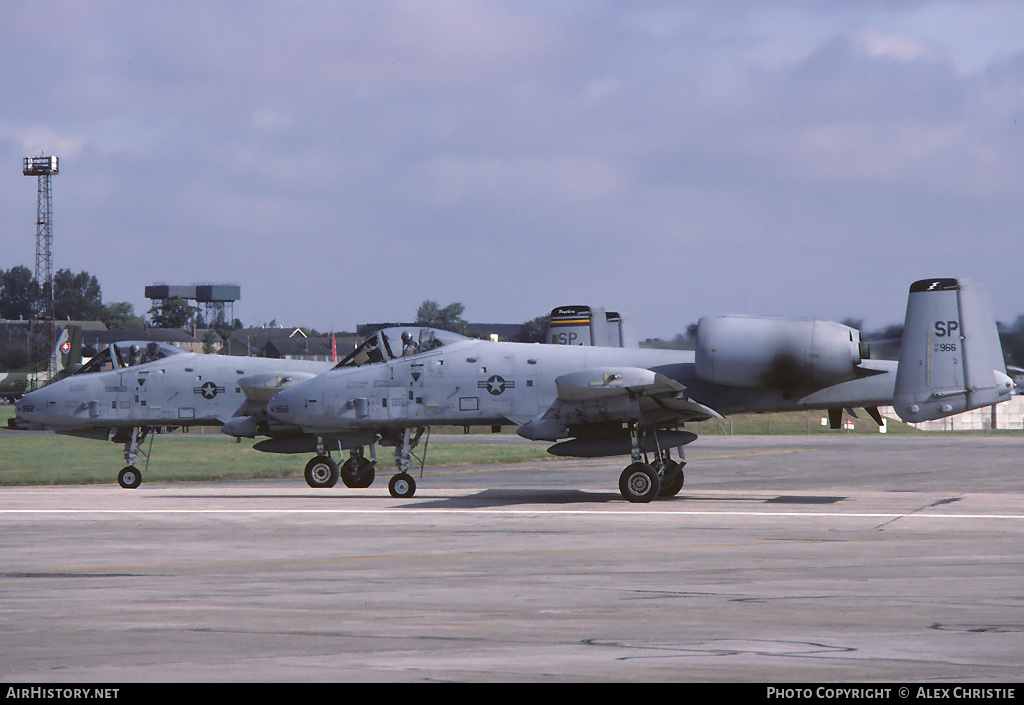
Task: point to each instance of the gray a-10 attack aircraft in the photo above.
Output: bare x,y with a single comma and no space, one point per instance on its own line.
117,398
591,400
131,389
618,401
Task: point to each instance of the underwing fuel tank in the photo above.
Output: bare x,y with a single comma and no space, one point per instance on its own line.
620,444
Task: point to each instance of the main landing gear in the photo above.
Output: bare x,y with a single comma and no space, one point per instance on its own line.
359,471
642,482
322,471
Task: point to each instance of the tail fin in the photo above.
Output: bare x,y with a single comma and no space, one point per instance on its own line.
69,348
583,325
950,360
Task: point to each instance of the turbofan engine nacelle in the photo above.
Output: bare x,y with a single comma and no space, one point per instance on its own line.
776,353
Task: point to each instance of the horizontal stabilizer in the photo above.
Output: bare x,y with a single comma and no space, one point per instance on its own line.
950,359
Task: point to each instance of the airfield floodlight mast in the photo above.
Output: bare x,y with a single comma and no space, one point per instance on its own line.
43,167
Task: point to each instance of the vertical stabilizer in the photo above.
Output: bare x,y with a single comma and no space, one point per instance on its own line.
583,325
600,330
570,325
623,322
69,348
950,359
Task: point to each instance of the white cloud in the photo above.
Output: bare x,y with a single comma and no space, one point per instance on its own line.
716,148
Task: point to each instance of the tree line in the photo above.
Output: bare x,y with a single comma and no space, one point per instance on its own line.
78,297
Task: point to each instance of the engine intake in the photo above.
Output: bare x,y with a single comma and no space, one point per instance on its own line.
776,353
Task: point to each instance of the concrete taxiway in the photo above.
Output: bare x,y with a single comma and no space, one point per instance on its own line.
784,559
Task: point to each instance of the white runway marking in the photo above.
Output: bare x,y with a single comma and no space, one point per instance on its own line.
501,511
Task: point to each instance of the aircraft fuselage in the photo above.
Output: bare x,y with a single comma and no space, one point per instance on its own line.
182,390
486,383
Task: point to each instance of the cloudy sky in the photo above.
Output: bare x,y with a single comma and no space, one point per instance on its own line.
344,161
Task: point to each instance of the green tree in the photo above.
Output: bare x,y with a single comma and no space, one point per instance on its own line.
18,290
210,338
13,357
448,318
172,312
76,297
120,315
535,330
225,330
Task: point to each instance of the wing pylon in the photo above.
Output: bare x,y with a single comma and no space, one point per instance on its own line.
602,395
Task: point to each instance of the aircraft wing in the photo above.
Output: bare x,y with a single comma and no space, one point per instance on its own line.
652,390
600,395
261,387
609,382
258,389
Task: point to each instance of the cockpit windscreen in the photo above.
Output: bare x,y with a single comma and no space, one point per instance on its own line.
389,343
127,354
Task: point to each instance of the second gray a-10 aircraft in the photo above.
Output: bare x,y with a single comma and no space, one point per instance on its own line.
590,400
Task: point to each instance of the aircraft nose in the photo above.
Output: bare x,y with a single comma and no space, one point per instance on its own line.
30,405
282,406
27,401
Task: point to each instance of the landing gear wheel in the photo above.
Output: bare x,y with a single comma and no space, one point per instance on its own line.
358,474
321,471
129,478
402,485
639,483
673,480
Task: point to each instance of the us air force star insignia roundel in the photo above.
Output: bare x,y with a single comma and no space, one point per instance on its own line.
495,385
208,390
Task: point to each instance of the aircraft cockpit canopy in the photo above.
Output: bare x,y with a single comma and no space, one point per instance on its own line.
382,345
127,354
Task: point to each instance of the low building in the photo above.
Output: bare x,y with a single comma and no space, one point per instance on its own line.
288,343
94,340
484,331
1008,415
15,334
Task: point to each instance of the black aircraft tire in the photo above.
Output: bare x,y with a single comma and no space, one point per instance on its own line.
129,477
672,482
639,483
365,477
402,486
321,472
358,477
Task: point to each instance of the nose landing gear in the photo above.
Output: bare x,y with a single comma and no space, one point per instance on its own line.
129,478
